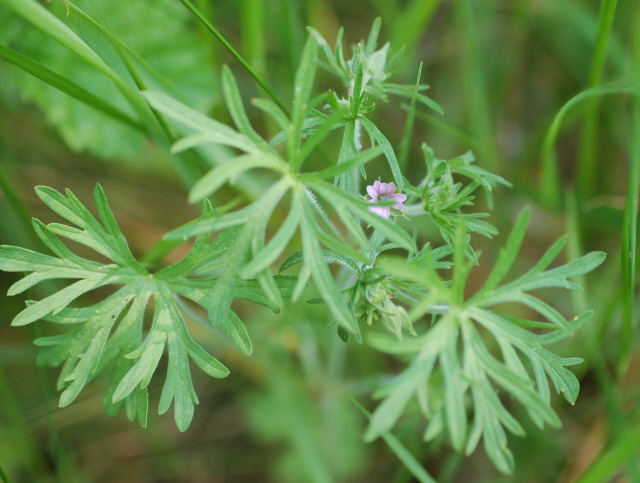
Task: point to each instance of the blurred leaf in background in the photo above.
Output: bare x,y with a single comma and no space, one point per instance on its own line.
174,51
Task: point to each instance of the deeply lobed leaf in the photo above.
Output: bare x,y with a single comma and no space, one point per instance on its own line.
111,331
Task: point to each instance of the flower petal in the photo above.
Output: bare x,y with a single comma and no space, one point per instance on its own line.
373,192
399,198
382,211
387,188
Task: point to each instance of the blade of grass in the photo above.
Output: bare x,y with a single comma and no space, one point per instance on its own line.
574,250
87,23
586,168
475,92
20,209
65,85
252,18
630,222
18,431
588,338
614,458
452,131
64,468
235,53
293,31
190,167
44,20
550,188
403,454
412,22
405,143
48,23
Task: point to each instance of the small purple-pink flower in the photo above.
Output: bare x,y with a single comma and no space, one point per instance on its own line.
385,192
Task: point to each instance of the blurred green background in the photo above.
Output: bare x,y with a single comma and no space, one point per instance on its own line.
501,70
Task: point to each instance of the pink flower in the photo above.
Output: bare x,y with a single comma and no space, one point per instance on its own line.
385,192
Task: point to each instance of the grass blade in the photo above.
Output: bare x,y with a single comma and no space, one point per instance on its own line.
403,454
550,188
586,168
44,20
614,458
319,270
302,92
65,85
411,23
235,53
630,224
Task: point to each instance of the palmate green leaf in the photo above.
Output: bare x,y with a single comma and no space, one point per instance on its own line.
110,332
322,276
537,277
214,221
345,166
390,154
233,101
274,111
408,91
108,242
335,60
348,150
490,427
519,387
269,254
329,257
360,208
199,292
454,396
233,259
459,383
388,413
303,84
228,172
325,126
208,130
545,363
509,253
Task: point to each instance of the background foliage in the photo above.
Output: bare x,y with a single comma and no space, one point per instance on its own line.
502,72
